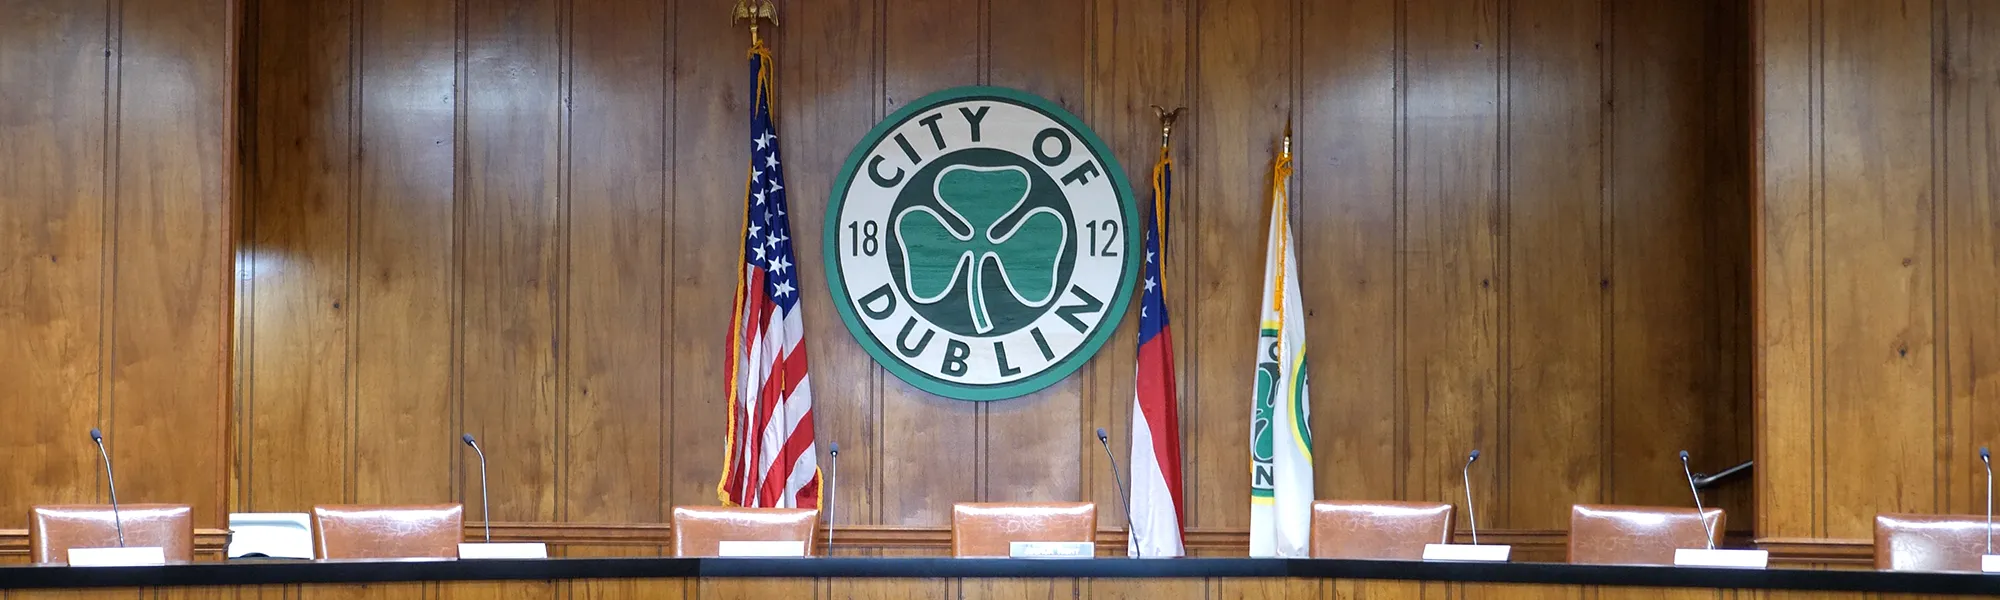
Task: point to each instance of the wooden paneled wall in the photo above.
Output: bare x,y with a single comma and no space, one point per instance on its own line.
1523,230
1878,253
116,134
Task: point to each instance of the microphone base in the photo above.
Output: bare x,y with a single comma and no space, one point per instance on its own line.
1989,563
1705,557
1467,553
491,550
133,556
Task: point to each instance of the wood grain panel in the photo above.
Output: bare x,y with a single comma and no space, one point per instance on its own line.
1788,304
1275,589
497,590
1022,589
169,375
711,113
1970,238
930,453
300,218
514,212
1138,58
1144,589
1451,239
1663,259
1555,349
1243,97
828,96
1348,179
404,240
724,588
53,256
615,453
1040,46
1367,589
1879,263
371,591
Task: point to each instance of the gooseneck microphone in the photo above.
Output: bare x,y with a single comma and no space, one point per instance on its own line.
109,483
1699,514
1471,514
1104,439
1987,457
833,483
485,507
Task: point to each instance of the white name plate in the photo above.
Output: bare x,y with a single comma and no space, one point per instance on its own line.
740,549
1467,552
117,557
1989,563
1051,549
1704,557
503,550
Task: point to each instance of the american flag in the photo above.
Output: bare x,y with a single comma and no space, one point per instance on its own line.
771,461
1156,430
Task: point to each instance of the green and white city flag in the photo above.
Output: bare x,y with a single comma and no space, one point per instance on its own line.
1281,471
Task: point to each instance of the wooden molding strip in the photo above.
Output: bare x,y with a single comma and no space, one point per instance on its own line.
207,542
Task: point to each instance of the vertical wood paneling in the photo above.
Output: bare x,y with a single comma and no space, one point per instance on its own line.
301,217
537,238
1040,46
402,317
1662,263
1451,244
169,249
614,455
1243,94
1139,55
1556,273
930,455
514,214
1347,180
1787,305
1880,349
1970,240
52,251
711,147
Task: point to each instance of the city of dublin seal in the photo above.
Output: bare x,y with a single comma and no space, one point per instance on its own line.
980,243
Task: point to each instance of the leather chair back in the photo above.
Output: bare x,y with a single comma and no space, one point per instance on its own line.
409,531
1378,530
53,530
1929,542
700,530
1636,535
989,528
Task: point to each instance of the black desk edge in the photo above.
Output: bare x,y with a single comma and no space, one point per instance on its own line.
338,572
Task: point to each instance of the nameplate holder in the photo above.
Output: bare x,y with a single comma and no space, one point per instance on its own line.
1989,563
1715,557
761,549
1051,549
1467,552
137,556
491,550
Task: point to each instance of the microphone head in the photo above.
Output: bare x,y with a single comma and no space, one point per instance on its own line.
1984,454
467,438
1684,456
1101,436
95,435
833,448
1472,457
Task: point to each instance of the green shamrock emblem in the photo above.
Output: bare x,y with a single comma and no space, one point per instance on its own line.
986,241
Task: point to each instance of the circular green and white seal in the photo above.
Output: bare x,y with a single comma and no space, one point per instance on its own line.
979,243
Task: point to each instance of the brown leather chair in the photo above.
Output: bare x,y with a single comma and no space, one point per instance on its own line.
1636,535
700,530
1929,542
989,528
411,531
53,530
1379,530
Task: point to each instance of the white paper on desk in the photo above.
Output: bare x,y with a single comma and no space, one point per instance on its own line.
1989,563
1467,552
117,557
503,550
1051,549
760,549
1716,557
